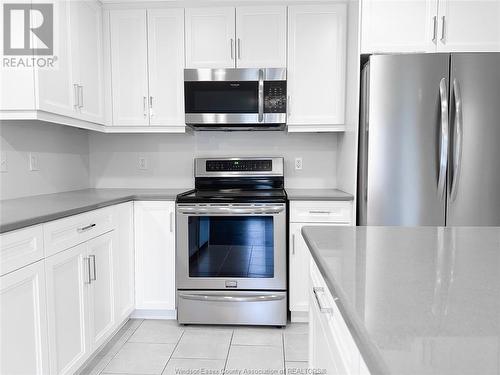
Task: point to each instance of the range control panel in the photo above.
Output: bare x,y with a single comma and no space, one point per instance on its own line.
258,165
275,96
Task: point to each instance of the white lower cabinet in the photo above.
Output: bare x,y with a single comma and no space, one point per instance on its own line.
23,322
67,288
331,345
302,213
123,261
79,302
155,257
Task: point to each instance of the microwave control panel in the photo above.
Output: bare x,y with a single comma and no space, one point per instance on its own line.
275,97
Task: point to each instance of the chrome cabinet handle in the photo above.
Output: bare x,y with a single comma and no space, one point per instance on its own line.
293,244
81,95
444,134
151,113
76,96
457,140
86,228
144,105
326,310
92,257
171,222
231,298
239,49
232,49
443,31
261,95
434,29
288,105
89,278
320,212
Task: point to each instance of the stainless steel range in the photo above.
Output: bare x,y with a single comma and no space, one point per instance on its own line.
231,243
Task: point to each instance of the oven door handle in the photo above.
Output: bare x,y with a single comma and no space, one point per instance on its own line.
236,298
231,211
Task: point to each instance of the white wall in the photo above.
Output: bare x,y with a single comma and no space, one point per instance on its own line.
114,157
63,158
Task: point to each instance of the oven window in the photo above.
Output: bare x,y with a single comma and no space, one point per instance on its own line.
235,246
221,97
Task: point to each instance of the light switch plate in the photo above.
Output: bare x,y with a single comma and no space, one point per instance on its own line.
34,163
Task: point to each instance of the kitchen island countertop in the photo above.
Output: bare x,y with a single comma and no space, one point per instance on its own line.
418,301
23,212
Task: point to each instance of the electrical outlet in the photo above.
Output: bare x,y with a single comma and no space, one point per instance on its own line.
33,162
143,163
298,164
3,162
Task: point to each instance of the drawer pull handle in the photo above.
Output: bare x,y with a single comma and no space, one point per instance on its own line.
320,212
325,310
88,227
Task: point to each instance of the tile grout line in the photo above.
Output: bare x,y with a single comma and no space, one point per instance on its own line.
173,351
228,350
283,346
121,346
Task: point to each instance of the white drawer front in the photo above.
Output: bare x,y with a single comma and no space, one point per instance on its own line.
321,212
20,248
70,231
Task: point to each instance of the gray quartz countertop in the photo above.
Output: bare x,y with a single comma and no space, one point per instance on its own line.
318,195
22,212
418,301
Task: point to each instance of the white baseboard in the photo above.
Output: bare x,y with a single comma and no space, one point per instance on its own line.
299,316
154,314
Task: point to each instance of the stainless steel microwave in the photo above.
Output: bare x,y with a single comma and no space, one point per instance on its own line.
235,99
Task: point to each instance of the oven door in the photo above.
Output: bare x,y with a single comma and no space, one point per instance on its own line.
231,246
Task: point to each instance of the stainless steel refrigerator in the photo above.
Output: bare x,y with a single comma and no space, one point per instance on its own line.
430,140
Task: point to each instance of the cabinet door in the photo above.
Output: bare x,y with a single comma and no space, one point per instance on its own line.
399,26
210,37
155,255
56,87
316,65
129,66
166,66
299,270
23,322
469,26
89,52
67,286
123,261
261,37
101,314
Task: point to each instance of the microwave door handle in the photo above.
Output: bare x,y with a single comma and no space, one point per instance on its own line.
261,95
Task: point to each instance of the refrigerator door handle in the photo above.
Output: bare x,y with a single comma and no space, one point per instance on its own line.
444,138
457,140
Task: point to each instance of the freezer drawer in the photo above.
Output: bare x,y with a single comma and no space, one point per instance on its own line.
231,307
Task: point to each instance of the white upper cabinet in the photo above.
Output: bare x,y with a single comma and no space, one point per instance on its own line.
261,37
129,66
74,88
23,322
402,26
430,26
89,60
469,26
316,67
166,66
210,37
57,88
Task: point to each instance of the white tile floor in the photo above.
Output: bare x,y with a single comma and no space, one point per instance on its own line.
162,347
